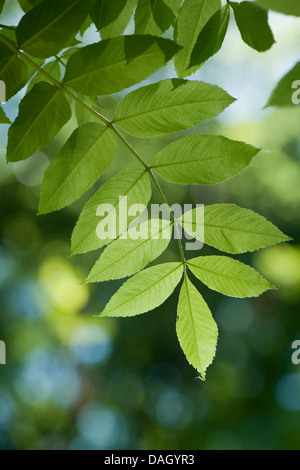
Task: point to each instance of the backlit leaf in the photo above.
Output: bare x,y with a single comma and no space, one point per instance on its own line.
112,17
155,16
48,27
196,329
13,72
228,276
52,68
168,106
131,184
127,256
42,113
193,16
203,159
78,165
232,229
117,63
144,291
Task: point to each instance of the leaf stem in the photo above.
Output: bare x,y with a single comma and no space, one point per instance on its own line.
105,121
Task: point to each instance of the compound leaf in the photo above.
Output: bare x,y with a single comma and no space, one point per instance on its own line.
117,63
196,329
42,113
203,159
77,166
228,276
128,187
127,256
144,291
168,106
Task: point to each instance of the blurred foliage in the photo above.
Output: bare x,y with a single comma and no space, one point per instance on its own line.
73,381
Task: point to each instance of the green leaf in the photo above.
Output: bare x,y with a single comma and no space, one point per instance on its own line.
78,165
252,21
144,291
134,184
52,68
114,64
289,7
228,276
168,106
83,115
127,256
3,118
287,91
13,72
192,17
47,28
27,5
1,5
112,17
203,159
42,113
211,37
196,329
232,229
155,16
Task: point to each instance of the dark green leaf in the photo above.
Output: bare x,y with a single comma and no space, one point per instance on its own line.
117,63
3,118
252,21
52,68
112,17
155,16
289,7
27,5
211,37
43,112
48,27
13,72
193,16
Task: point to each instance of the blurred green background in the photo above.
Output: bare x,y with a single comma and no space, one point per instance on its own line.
76,382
